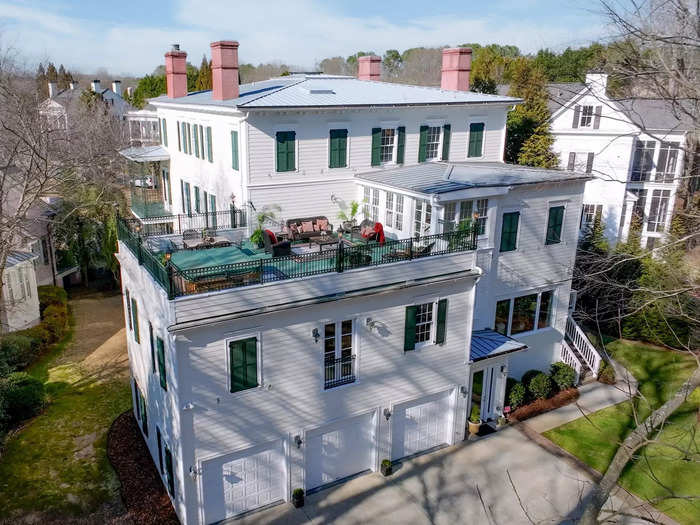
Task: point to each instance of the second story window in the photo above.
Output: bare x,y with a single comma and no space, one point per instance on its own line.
338,358
658,210
525,313
668,159
197,207
338,148
422,217
586,117
476,139
164,134
643,161
425,324
286,151
589,214
509,231
555,222
234,150
243,364
429,144
160,354
370,208
387,151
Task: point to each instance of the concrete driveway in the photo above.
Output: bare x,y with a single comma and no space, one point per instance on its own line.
467,483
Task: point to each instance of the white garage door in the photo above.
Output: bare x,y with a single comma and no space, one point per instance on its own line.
421,424
243,481
340,449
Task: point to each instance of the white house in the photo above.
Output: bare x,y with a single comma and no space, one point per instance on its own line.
634,148
259,371
20,301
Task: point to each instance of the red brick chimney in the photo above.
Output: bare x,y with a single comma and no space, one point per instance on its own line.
456,66
369,67
176,72
224,70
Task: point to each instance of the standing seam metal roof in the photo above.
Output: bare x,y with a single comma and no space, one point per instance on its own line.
16,257
489,343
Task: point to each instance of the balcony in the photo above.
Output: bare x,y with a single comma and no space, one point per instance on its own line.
337,372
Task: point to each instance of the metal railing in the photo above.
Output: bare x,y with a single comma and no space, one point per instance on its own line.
567,355
347,255
178,223
338,372
583,346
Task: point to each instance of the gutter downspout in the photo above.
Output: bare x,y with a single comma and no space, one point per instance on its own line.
52,260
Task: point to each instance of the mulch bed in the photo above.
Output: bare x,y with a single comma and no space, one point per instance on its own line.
540,406
142,490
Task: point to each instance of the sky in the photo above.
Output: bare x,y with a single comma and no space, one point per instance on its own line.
130,37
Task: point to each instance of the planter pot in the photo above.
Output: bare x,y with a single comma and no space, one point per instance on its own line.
387,470
474,427
298,501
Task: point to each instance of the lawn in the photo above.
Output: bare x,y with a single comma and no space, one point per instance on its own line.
659,372
57,464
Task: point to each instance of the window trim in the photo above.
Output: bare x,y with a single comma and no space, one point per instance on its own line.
517,232
432,341
476,120
356,326
511,307
240,336
282,129
550,206
394,147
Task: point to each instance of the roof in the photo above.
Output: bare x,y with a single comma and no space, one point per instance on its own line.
146,153
488,343
307,90
16,257
444,177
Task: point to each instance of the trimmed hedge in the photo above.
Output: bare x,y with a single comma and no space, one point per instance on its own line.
23,396
606,374
563,375
540,386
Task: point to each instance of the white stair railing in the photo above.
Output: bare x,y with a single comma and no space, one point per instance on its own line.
566,354
583,346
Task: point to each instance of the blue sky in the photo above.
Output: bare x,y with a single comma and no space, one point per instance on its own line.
130,37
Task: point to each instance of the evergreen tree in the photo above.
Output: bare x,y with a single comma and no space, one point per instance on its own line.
537,149
42,87
192,75
204,80
51,73
148,87
62,78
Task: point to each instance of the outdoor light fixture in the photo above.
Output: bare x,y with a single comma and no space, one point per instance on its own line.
387,414
370,323
194,472
315,335
188,406
463,391
298,441
503,369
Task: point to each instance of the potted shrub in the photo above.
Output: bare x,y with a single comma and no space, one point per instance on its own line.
268,213
298,498
349,218
502,421
386,467
475,420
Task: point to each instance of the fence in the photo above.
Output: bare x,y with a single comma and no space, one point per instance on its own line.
177,224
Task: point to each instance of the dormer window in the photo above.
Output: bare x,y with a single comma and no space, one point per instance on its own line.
587,116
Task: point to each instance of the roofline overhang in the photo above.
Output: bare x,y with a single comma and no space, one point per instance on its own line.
500,354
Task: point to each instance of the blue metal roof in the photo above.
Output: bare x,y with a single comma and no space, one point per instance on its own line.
489,343
17,257
313,90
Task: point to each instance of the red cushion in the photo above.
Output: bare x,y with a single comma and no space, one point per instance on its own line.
322,224
273,237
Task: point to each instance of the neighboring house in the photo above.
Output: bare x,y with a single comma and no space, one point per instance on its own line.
255,372
20,300
633,147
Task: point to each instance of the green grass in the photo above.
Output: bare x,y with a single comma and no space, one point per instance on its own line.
58,463
660,372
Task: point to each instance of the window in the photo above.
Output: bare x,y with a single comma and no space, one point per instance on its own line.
169,475
389,219
668,159
658,210
476,139
210,154
365,201
589,213
159,441
387,149
429,145
374,205
651,242
234,150
582,162
188,199
179,136
586,117
555,222
643,160
140,405
153,346
243,362
160,350
394,210
422,218
509,231
420,328
338,360
524,313
196,199
164,135
167,190
128,309
286,150
640,206
482,207
135,315
338,148
45,250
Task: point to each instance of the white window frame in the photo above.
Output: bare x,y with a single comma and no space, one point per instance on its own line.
550,205
659,220
511,306
585,224
433,322
338,349
394,223
371,206
438,151
425,203
590,117
297,161
477,119
394,146
238,336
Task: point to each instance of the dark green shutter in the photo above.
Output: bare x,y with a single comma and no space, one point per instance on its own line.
401,145
509,231
210,153
376,146
476,139
243,359
153,346
159,440
189,138
285,150
196,199
128,309
169,471
165,133
196,140
183,132
182,194
179,137
338,146
446,133
234,150
423,144
144,414
554,224
409,331
441,321
135,314
160,346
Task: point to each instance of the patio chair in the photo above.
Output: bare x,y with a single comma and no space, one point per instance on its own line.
400,255
277,249
191,238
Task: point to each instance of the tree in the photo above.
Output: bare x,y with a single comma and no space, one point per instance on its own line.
51,73
42,87
204,81
392,63
149,86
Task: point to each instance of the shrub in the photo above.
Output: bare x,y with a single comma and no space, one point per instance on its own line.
40,336
54,320
563,375
16,351
386,463
606,374
527,377
516,396
298,493
540,386
51,295
475,416
23,396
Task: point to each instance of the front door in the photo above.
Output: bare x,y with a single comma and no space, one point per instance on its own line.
485,385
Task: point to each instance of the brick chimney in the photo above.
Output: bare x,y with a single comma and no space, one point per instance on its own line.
176,72
369,67
456,66
224,70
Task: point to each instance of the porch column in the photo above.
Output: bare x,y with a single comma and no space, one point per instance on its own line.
629,202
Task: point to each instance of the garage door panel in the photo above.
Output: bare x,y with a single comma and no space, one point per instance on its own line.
420,425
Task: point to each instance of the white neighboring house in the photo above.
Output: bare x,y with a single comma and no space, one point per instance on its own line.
255,373
20,301
633,147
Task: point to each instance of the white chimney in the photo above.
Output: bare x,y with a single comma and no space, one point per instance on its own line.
117,87
597,82
53,89
73,84
96,86
130,91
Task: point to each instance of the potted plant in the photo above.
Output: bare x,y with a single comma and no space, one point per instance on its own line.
386,468
298,498
268,213
349,218
475,420
502,422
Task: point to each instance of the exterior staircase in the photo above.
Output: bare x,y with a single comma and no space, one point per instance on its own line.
579,353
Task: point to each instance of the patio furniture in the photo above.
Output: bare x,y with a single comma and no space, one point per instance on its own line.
277,249
323,240
375,234
191,238
297,230
400,255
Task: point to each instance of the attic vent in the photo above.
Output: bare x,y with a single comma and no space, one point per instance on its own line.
319,90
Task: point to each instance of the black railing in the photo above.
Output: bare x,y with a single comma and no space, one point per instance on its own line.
338,372
348,255
179,223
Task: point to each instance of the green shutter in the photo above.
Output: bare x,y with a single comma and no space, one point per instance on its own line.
144,414
285,150
476,139
446,133
210,153
509,231
165,133
183,132
179,137
423,144
153,346
189,138
135,314
196,140
243,364
376,146
401,145
169,471
409,331
159,440
338,146
234,150
196,199
182,194
441,320
128,309
160,345
554,225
